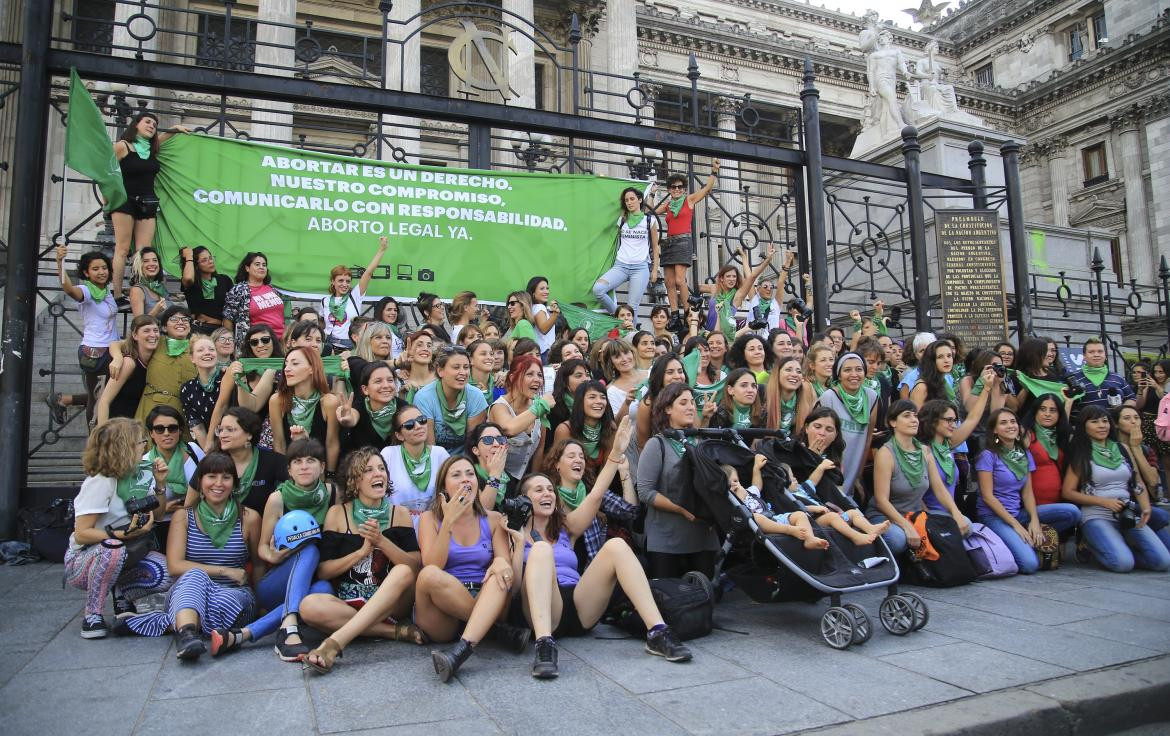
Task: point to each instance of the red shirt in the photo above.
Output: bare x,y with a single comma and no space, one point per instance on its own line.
1047,477
265,307
680,225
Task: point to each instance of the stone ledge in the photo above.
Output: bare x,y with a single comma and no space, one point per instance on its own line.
1099,702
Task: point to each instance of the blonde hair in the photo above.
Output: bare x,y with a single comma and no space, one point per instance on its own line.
459,305
113,448
525,300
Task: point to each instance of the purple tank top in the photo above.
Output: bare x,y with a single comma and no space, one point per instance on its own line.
469,564
565,559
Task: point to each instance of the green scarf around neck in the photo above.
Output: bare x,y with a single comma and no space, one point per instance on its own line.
591,439
1107,454
788,413
315,500
945,459
1096,375
303,411
1046,436
741,416
156,287
361,513
176,473
337,308
679,446
218,527
1016,459
634,219
245,487
175,348
455,417
137,483
419,470
856,404
912,463
209,386
676,205
142,147
97,293
382,419
208,288
573,497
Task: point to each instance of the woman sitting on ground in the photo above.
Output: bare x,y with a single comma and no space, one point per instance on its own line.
208,550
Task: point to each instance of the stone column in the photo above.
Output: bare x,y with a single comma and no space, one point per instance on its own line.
521,71
1158,149
622,24
274,48
1058,176
730,201
403,71
1127,126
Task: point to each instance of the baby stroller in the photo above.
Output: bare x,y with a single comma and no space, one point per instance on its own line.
777,567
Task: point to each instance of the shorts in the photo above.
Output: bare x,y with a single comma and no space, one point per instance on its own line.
93,361
677,250
473,588
140,206
570,623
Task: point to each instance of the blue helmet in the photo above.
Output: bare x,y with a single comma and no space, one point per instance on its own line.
294,528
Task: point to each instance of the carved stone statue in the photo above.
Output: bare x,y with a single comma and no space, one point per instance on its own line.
882,119
932,97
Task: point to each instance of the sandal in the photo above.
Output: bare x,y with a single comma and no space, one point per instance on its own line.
326,653
221,644
409,632
290,652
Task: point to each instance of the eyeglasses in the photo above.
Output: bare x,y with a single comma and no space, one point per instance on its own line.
512,303
258,341
179,319
225,339
410,424
165,428
494,439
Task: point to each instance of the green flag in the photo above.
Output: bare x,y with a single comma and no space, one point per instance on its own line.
88,149
596,324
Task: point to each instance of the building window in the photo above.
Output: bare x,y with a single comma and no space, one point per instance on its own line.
1076,44
1118,262
436,72
1096,170
538,86
984,77
223,47
93,26
1100,33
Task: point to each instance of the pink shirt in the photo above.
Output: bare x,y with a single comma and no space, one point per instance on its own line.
266,308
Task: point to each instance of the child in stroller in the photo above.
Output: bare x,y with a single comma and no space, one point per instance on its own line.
792,523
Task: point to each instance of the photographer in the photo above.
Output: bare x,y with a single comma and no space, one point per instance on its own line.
1114,503
112,547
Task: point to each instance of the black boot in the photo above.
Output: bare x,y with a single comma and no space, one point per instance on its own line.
447,663
515,638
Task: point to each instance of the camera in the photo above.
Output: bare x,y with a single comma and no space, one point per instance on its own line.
798,304
517,510
1114,398
1128,516
695,303
895,318
758,322
1074,389
426,274
142,505
1000,369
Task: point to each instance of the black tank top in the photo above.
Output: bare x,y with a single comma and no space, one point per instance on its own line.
125,404
138,175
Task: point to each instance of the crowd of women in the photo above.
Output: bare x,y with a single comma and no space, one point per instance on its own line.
338,472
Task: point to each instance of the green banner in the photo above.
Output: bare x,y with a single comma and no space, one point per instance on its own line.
449,229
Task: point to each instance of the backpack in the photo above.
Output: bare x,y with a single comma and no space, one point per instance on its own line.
1049,550
47,528
687,605
953,566
989,555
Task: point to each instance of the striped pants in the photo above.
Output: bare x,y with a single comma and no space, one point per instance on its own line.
218,605
97,568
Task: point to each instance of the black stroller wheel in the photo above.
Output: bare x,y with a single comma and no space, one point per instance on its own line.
897,615
921,612
838,628
863,628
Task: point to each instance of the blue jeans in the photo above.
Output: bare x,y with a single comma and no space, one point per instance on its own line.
637,274
1059,516
1119,551
283,587
1160,523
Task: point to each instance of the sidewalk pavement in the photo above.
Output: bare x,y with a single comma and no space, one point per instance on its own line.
998,656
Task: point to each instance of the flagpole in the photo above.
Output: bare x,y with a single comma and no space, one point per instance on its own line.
20,294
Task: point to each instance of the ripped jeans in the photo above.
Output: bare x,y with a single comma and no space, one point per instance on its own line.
638,274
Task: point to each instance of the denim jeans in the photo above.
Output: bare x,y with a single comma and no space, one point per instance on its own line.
1119,551
283,587
1059,516
1160,523
637,274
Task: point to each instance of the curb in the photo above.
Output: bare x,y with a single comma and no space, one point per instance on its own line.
1102,701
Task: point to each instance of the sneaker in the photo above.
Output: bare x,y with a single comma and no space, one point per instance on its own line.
122,604
544,667
665,643
188,644
511,637
94,627
57,410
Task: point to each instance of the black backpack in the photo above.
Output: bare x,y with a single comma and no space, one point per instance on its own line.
687,605
953,566
46,529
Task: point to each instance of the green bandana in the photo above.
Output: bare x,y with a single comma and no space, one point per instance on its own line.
887,372
361,513
874,384
1016,459
303,411
98,294
788,414
945,460
1107,454
175,348
978,387
331,363
568,401
1047,439
455,417
247,477
337,308
142,147
218,527
958,371
382,419
591,439
1040,386
911,463
676,205
950,389
573,497
634,219
741,416
314,500
208,287
856,404
209,386
679,446
818,387
418,470
725,307
156,286
880,324
540,408
132,486
1097,375
176,474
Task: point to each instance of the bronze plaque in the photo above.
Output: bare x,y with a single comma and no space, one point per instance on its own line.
971,274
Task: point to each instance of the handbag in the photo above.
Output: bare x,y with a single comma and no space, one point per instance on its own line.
145,206
90,358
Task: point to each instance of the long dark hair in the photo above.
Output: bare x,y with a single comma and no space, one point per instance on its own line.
246,350
928,418
993,442
380,307
657,378
735,354
577,417
130,134
692,344
1030,357
837,447
1063,429
622,202
936,383
727,403
1080,448
560,383
556,522
658,419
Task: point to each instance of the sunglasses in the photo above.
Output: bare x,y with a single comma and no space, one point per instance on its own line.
410,424
512,303
165,428
675,186
258,341
494,439
453,350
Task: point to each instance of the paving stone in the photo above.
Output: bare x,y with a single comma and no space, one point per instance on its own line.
1118,601
68,651
751,706
1140,632
108,701
13,661
1010,604
975,667
251,668
1113,699
457,727
286,712
33,623
626,662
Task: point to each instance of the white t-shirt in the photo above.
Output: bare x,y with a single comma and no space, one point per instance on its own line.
99,495
634,242
544,339
405,492
773,316
97,319
353,307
